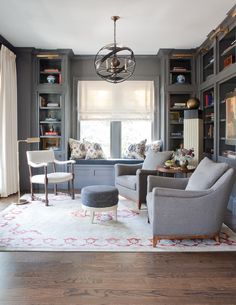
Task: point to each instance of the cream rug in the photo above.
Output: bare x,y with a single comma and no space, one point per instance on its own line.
63,226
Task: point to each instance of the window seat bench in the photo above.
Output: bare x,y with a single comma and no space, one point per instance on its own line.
97,171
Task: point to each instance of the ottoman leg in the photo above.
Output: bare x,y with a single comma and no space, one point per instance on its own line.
115,214
91,216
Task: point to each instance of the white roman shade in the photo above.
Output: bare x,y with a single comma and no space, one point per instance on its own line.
131,100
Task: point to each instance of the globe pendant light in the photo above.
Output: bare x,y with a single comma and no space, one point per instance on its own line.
114,63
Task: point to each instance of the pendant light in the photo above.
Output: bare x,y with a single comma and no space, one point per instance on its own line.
114,63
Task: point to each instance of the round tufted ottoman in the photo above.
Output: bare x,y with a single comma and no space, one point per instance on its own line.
99,198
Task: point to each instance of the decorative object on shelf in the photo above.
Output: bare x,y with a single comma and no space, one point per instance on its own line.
180,79
43,102
183,155
193,103
51,79
28,141
114,63
228,61
230,134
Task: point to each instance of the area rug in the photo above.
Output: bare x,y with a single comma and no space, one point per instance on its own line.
63,226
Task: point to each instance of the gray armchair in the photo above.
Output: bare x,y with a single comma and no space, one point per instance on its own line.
177,212
131,179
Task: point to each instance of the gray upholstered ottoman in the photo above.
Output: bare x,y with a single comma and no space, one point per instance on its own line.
99,198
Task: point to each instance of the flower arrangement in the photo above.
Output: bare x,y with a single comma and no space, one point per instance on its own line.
183,155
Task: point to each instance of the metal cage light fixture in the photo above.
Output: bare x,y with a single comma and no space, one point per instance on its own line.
114,63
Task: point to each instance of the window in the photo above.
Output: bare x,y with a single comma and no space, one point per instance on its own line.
115,115
134,132
96,131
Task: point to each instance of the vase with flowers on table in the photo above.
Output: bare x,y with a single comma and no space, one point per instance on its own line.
182,157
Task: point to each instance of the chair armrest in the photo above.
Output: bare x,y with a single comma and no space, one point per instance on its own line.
64,162
146,172
167,192
126,169
37,165
166,182
142,175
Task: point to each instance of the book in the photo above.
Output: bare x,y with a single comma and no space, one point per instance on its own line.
52,104
51,133
51,70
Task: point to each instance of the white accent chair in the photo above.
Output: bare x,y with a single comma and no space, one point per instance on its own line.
42,159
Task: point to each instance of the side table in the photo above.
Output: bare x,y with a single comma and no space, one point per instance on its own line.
175,170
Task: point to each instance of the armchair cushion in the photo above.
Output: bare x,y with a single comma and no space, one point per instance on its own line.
52,178
155,158
128,181
206,174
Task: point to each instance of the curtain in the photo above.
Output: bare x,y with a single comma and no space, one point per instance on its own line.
131,100
8,123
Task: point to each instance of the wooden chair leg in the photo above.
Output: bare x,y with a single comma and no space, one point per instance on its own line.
32,191
69,191
72,189
217,238
46,194
155,241
55,189
139,205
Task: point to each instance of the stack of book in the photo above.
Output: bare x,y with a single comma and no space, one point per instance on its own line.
209,117
210,132
51,70
179,105
51,133
179,69
52,104
209,99
176,134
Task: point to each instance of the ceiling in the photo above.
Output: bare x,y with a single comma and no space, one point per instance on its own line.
85,25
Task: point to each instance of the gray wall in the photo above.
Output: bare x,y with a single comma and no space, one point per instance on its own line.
26,109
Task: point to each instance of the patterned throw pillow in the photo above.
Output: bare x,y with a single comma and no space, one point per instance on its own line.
93,150
77,149
136,151
155,146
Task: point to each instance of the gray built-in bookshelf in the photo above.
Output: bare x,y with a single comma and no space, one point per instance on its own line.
52,100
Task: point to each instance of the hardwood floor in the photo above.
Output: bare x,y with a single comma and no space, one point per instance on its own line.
56,278
117,278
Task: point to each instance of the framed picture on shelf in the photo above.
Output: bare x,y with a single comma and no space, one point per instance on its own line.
174,116
230,132
51,143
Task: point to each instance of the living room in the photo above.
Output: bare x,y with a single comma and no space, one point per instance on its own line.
146,131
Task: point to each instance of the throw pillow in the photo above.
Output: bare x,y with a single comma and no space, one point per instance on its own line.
77,149
205,175
136,150
155,146
153,159
93,150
